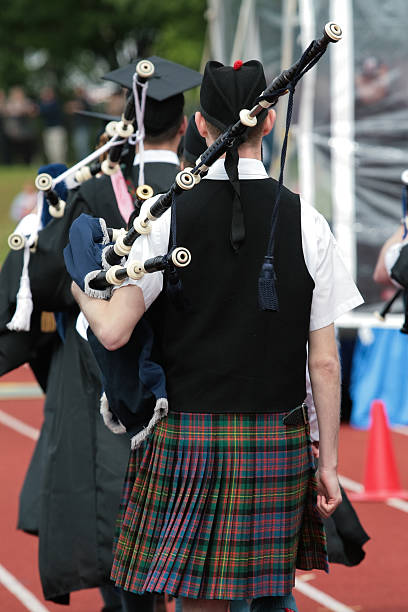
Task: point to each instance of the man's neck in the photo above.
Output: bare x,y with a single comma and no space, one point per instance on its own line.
250,152
164,146
245,150
168,145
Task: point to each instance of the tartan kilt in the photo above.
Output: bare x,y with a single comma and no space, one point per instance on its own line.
219,506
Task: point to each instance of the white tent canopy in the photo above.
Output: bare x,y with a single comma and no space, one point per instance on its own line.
351,115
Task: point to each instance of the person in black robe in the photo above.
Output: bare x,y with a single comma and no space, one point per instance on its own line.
82,463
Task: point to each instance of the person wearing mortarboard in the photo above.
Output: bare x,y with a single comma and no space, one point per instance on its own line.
164,125
83,464
223,505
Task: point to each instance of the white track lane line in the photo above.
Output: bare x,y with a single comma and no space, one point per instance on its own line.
306,589
357,487
326,600
347,483
401,429
22,390
29,601
351,485
17,425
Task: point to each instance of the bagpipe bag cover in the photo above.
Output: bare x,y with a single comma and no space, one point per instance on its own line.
83,253
131,376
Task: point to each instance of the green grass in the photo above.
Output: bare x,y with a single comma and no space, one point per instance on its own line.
12,179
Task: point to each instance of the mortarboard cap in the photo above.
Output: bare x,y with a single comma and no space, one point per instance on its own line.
165,100
169,78
226,90
96,115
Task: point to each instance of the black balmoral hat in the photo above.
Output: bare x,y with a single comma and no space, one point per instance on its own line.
226,90
165,100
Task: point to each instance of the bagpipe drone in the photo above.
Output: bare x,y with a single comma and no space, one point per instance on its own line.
43,269
105,266
120,133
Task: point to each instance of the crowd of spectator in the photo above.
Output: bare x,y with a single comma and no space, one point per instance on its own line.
48,129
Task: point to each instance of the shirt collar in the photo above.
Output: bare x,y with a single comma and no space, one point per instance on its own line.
248,168
157,155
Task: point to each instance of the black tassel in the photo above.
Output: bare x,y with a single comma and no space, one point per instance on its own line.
267,295
174,288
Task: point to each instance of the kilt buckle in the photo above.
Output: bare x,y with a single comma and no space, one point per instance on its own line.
297,416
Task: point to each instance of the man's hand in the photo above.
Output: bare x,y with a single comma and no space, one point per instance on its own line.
328,492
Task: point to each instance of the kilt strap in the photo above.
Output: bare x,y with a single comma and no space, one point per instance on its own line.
297,416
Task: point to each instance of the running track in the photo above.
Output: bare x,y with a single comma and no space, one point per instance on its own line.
380,583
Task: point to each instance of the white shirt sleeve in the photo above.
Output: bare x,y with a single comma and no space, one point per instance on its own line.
313,424
147,246
82,326
335,291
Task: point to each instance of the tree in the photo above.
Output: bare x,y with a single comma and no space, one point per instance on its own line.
94,36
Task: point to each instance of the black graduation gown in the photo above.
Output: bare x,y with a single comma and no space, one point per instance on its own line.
345,535
82,464
159,175
17,348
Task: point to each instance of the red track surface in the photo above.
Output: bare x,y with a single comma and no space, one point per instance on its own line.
378,584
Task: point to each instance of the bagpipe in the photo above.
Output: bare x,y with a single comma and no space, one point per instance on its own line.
397,266
22,293
188,178
120,133
31,290
97,265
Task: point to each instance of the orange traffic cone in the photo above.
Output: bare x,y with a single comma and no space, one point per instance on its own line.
381,479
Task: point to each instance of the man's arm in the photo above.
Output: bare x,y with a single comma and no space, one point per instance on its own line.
381,275
324,370
112,321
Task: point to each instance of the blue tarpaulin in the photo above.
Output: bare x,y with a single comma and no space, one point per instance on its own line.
380,371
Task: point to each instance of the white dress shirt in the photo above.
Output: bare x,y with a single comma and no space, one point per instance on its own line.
335,292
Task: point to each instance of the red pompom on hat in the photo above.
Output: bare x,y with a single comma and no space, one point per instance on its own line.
237,65
226,90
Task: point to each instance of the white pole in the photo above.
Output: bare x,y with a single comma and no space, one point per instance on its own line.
241,32
288,18
215,20
305,124
342,132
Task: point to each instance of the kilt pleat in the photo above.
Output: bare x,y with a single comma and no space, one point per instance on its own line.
219,507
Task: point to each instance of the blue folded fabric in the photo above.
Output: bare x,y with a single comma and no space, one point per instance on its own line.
379,371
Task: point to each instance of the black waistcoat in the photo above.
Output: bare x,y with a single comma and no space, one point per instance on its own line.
224,354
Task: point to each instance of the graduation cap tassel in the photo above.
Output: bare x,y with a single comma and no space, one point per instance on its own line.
24,301
140,105
24,305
